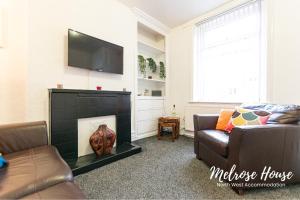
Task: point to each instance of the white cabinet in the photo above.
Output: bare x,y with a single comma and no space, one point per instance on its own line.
144,127
144,103
148,110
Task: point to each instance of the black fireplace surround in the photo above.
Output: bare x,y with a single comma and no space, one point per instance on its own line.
67,106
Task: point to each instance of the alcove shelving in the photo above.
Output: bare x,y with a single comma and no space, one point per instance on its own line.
149,107
151,44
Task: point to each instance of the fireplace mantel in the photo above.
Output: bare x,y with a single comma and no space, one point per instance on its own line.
67,106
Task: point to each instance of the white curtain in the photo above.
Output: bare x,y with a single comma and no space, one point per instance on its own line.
228,56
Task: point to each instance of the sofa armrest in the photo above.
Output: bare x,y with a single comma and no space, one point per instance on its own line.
205,122
251,148
22,136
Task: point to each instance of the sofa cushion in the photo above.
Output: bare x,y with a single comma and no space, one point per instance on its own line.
66,190
281,114
31,171
215,140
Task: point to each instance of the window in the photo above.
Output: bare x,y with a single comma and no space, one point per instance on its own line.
229,56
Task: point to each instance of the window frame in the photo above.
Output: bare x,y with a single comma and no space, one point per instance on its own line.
263,75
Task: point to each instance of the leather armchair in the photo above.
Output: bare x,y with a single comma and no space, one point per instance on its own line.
250,148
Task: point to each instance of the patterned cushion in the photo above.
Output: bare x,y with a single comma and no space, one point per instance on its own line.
243,117
281,114
3,162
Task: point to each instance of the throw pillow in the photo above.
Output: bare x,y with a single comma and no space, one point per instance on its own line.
281,114
224,118
3,162
243,117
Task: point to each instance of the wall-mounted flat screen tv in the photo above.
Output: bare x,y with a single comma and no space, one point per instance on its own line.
87,52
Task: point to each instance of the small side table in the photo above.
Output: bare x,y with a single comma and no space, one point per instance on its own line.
171,122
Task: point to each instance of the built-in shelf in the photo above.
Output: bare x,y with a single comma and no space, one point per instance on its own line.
151,44
147,47
151,80
150,98
145,29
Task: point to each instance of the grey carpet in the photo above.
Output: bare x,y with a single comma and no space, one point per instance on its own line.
165,170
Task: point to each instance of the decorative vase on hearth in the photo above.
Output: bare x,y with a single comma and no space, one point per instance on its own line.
102,140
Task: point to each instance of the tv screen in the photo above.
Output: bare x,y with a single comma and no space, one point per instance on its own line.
94,54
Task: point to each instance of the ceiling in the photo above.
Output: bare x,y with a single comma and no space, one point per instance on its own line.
173,13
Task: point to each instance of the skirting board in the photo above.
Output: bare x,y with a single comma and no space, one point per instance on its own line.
153,133
145,135
189,134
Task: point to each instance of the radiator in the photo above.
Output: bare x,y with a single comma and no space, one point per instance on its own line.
202,108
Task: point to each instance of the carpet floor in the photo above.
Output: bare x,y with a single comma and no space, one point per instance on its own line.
165,170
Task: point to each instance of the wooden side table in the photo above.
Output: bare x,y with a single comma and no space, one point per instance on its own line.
171,122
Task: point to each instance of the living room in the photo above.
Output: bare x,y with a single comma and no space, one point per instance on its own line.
137,99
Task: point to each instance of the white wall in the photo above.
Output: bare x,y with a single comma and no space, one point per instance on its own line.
34,55
283,58
49,22
180,72
45,62
285,53
13,61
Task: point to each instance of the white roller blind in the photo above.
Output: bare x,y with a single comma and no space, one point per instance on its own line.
228,56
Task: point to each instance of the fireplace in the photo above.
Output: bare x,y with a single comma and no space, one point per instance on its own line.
67,107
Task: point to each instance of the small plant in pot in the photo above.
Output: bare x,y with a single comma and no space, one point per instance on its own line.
162,70
152,64
142,65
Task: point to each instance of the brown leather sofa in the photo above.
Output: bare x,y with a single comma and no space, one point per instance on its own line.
35,169
251,148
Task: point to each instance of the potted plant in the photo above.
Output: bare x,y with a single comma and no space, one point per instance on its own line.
152,64
142,65
162,70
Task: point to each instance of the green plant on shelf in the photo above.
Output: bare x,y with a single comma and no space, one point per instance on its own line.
162,70
142,64
152,64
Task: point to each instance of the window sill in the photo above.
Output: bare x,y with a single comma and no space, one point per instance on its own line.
215,103
229,105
